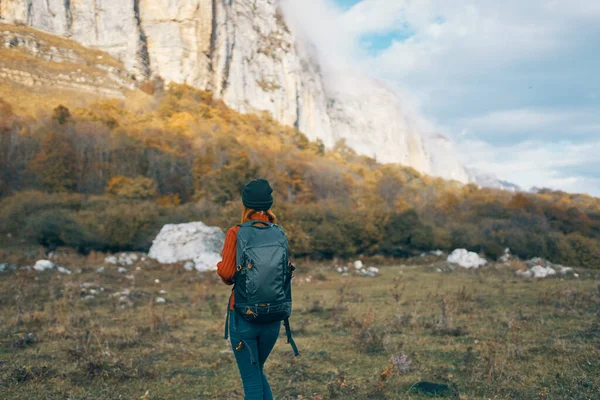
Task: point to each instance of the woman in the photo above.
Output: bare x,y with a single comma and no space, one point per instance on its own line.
251,342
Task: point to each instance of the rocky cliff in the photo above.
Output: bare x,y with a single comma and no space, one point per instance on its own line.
36,60
245,54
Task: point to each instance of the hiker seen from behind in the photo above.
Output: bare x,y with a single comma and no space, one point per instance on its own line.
255,260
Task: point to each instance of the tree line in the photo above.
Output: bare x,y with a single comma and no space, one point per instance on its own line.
108,176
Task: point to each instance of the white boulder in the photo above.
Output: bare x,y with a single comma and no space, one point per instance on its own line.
358,264
193,241
43,265
466,259
160,300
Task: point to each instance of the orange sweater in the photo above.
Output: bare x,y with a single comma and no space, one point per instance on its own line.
226,267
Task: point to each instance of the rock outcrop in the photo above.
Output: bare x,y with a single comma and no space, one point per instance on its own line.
243,52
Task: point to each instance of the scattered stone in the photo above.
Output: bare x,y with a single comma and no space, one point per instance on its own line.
161,300
111,260
537,272
157,281
63,270
358,264
88,298
370,271
3,267
576,275
122,259
506,257
88,285
437,253
162,292
130,277
122,270
193,241
43,265
100,270
189,266
466,259
342,270
541,268
138,268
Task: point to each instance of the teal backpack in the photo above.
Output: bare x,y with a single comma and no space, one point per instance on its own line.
263,280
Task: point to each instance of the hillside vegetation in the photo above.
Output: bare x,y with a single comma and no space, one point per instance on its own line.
107,176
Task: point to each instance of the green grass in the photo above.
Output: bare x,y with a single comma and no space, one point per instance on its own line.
485,333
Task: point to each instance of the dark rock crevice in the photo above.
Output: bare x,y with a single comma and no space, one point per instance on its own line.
228,58
297,121
213,37
143,57
30,12
68,16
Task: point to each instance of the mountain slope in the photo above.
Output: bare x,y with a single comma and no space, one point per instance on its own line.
244,53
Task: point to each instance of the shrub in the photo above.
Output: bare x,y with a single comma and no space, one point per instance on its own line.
53,228
139,188
129,226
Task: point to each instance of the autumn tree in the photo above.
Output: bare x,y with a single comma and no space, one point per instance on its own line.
55,164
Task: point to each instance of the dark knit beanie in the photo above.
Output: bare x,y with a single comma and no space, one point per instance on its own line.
257,195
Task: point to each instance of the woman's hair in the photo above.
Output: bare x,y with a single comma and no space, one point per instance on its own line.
247,214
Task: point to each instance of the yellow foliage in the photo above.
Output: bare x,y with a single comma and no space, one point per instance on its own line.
132,188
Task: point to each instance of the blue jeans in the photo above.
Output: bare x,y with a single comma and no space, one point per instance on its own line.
260,340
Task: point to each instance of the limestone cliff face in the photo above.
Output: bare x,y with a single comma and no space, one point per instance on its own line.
245,54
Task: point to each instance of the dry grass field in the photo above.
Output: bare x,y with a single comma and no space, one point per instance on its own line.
486,334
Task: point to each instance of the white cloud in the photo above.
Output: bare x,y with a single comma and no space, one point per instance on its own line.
516,79
531,121
536,164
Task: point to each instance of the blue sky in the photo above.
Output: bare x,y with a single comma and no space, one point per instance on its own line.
515,84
